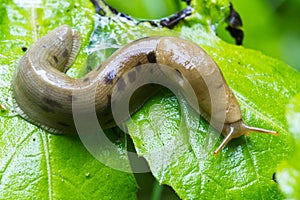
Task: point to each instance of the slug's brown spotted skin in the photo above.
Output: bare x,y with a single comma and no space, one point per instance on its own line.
44,93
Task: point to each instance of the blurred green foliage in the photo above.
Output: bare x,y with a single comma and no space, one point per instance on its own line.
272,26
289,171
145,9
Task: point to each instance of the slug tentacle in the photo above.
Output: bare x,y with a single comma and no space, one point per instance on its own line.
238,129
259,130
45,95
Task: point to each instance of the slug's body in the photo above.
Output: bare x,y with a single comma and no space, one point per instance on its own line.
44,93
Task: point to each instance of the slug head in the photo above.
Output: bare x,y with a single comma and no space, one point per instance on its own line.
237,129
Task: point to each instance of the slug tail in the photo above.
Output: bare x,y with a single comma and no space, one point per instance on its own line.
75,49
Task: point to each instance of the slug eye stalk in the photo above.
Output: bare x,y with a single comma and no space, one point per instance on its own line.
238,129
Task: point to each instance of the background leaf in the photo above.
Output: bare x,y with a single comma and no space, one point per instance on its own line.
270,26
289,170
35,164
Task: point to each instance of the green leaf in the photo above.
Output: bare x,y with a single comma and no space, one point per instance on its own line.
33,163
39,165
289,171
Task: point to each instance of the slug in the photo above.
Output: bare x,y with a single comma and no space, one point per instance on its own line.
43,92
